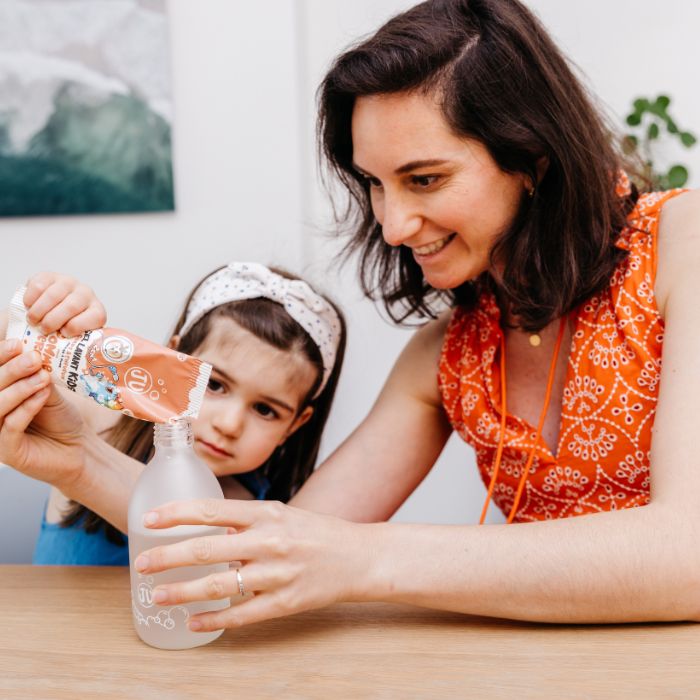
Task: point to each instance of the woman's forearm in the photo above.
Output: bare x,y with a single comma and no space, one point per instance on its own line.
636,565
105,481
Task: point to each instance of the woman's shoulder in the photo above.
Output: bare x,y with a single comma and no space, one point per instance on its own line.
678,244
433,332
680,203
652,203
417,366
424,349
643,220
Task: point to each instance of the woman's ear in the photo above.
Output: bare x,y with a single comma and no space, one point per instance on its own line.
302,418
174,342
541,166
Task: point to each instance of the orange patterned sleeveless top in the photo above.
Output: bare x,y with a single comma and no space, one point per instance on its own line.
610,392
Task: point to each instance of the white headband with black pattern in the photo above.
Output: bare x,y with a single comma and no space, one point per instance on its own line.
247,280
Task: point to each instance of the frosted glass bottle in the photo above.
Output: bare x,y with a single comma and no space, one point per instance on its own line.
174,473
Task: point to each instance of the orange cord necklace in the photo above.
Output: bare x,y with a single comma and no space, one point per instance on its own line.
502,436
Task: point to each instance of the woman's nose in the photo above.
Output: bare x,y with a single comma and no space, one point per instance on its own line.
400,220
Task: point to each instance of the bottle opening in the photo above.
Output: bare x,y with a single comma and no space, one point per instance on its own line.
175,434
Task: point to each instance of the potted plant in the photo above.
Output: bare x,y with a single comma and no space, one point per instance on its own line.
648,121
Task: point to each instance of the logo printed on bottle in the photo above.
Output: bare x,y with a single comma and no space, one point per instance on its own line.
138,380
168,618
145,595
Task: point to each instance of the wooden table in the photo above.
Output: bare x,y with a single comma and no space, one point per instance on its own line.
66,632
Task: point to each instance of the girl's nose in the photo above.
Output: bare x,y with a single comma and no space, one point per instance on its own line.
229,420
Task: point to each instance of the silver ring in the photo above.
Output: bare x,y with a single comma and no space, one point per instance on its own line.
241,587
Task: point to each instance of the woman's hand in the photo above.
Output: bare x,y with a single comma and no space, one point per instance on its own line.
292,560
60,303
40,432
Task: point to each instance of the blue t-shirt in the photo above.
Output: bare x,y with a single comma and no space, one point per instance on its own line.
74,545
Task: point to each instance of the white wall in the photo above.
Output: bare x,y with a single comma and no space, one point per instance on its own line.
244,77
635,48
237,164
626,49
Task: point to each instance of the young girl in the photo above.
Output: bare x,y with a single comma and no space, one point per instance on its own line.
276,348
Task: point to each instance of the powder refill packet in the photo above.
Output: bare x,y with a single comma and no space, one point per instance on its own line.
117,369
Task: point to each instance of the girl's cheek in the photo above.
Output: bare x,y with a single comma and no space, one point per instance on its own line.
199,421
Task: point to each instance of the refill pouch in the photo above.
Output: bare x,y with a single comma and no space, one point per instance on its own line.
117,369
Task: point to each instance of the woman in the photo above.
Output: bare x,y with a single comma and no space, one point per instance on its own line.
484,181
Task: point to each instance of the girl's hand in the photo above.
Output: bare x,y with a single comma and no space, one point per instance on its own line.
41,434
292,560
60,303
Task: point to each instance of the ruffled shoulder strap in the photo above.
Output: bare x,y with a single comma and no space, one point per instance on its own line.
640,234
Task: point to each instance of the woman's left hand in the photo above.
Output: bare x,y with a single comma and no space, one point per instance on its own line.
291,559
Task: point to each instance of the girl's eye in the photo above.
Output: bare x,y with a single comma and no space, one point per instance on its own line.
423,180
265,410
214,386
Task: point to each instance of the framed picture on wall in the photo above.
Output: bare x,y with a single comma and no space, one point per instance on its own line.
85,107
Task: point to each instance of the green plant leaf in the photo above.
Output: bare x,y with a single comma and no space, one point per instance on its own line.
653,131
677,176
659,111
687,139
629,144
634,119
641,104
671,126
663,101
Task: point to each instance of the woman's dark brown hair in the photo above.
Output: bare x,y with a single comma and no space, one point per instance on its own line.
291,464
502,81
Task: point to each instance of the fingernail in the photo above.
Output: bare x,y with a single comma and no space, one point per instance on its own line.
159,596
141,562
150,518
195,625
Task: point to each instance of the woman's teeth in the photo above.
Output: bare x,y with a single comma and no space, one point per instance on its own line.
432,248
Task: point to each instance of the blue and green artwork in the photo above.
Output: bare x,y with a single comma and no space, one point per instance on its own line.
85,107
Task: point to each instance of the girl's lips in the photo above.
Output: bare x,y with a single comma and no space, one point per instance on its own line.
214,450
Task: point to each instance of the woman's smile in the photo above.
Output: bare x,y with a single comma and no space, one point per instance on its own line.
425,252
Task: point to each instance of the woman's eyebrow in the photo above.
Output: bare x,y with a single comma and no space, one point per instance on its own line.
416,164
407,167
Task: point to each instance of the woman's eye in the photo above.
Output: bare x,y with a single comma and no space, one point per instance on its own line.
215,387
371,182
265,410
423,180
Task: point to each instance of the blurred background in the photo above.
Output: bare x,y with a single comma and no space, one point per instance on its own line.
243,81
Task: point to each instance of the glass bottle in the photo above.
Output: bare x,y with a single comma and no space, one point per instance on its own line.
174,473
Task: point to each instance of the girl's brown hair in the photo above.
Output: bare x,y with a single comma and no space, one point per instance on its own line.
291,464
503,82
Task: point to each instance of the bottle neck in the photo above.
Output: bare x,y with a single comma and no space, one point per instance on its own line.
172,435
